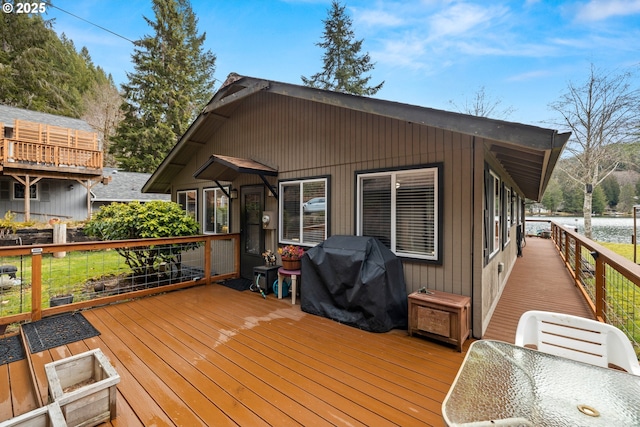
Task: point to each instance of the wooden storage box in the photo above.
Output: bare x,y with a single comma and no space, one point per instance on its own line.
84,386
441,316
47,416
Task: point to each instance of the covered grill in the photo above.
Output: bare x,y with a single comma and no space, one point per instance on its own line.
357,281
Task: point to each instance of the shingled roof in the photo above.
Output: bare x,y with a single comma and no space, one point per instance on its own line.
124,187
9,114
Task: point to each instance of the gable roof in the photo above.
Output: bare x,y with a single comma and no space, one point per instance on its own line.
124,187
9,114
528,153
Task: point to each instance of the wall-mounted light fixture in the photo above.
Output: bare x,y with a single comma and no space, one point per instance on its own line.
233,194
70,187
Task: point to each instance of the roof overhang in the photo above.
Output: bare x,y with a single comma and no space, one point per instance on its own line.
527,153
227,168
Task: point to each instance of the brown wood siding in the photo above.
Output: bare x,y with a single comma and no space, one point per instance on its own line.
304,139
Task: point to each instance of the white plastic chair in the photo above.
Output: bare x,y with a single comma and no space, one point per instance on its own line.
577,338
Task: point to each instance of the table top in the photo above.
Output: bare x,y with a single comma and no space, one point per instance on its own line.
503,384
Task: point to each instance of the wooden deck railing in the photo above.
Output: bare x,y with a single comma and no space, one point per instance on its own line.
96,273
48,145
15,151
609,282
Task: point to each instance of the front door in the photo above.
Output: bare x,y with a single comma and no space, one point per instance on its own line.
251,232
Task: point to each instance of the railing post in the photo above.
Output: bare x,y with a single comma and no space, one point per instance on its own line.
207,260
601,290
577,262
36,284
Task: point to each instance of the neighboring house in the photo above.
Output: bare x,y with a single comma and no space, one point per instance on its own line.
124,187
445,191
59,159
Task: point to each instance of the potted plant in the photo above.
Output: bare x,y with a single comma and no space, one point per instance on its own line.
291,255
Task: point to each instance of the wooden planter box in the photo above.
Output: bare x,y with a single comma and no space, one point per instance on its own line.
47,416
84,386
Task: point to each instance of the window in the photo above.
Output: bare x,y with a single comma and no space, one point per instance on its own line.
303,211
493,214
18,191
216,210
509,220
402,209
188,199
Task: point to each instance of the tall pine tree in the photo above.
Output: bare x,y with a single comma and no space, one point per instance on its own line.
344,66
172,81
40,71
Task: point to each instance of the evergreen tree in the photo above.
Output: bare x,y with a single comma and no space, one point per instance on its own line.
38,70
611,189
344,66
171,82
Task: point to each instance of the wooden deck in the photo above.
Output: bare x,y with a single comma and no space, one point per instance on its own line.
538,281
210,355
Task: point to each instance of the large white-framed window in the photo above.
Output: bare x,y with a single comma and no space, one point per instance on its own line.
215,210
188,199
402,209
19,193
304,210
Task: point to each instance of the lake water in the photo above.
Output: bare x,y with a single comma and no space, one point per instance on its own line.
605,229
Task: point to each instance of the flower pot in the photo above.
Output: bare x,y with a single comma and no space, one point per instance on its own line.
291,264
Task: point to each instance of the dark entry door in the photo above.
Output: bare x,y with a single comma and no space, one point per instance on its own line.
251,232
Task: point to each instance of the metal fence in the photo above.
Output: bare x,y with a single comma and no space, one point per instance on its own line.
609,282
36,281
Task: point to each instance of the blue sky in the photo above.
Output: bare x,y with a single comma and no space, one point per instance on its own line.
428,52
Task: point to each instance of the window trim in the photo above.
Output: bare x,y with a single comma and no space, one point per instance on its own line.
301,181
36,186
185,208
438,209
496,229
216,190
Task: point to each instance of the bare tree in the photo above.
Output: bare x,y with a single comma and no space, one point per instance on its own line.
602,114
482,105
102,112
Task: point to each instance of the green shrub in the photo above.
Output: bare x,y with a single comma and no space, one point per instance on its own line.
126,221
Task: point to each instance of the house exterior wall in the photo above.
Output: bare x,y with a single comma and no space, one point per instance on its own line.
55,199
304,139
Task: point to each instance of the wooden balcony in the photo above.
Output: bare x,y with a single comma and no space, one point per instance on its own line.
210,355
46,150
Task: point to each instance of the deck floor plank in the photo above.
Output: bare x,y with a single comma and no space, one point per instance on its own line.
6,407
373,373
162,405
210,355
22,397
253,372
533,287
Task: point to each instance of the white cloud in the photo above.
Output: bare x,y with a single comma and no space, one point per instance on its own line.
598,10
463,18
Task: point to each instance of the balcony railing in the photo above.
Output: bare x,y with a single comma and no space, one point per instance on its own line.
609,282
49,146
97,273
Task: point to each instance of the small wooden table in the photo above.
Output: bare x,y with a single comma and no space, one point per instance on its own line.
282,272
440,315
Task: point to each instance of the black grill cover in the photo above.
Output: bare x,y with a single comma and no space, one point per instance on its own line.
357,281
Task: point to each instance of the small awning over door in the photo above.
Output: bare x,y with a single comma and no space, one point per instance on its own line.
226,168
